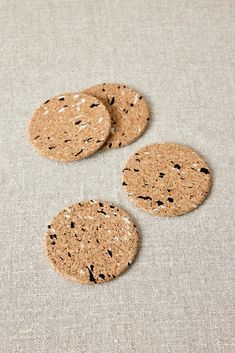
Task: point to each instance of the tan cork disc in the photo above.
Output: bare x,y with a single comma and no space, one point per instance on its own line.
91,242
166,179
69,127
128,110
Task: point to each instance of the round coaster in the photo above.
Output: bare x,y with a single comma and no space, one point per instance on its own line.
69,127
91,242
128,110
166,179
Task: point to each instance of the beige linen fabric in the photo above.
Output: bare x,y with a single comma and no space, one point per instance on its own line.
177,296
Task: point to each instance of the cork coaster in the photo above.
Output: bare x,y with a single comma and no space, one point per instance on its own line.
166,179
128,110
91,242
69,127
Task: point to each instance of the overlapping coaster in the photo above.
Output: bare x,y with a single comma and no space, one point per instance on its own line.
69,127
167,179
128,110
91,242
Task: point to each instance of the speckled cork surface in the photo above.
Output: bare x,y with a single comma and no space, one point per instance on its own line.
128,110
91,242
167,179
69,127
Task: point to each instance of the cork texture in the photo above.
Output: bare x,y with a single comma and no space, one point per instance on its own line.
128,110
69,127
167,179
91,242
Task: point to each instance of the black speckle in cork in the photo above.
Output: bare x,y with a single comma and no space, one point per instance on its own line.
160,203
69,254
136,170
91,278
112,101
72,225
110,253
170,199
144,198
161,175
204,170
49,226
53,242
79,152
110,145
101,212
53,236
119,145
66,106
61,99
47,101
51,147
124,183
78,122
101,204
35,138
132,105
101,275
177,166
94,105
140,97
129,263
67,140
125,169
